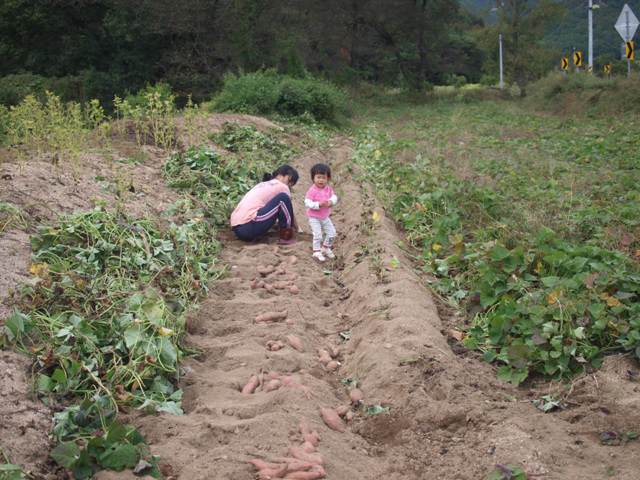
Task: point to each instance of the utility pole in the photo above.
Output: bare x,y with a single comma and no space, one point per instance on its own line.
592,7
590,36
501,80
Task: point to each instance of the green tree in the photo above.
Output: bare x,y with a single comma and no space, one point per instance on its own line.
523,24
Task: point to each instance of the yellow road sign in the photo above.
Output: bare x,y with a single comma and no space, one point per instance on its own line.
607,69
565,64
629,50
577,59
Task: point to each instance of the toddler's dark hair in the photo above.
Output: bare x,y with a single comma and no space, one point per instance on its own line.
322,169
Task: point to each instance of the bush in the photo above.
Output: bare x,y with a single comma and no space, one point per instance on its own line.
582,94
267,93
15,88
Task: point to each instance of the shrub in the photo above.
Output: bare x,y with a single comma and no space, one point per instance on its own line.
581,95
266,92
15,88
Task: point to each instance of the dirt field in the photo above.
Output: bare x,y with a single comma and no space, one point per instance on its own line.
449,417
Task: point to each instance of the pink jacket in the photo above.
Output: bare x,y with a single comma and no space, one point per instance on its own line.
314,197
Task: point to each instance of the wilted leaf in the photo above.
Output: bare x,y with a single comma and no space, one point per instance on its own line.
457,334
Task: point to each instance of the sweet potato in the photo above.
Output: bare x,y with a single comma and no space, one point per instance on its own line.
312,474
251,385
294,290
262,465
293,260
290,382
332,365
270,473
293,276
295,464
269,317
324,356
355,394
281,285
254,283
332,419
295,342
342,410
264,271
276,250
349,416
274,345
269,288
273,375
273,385
304,427
301,454
289,321
308,447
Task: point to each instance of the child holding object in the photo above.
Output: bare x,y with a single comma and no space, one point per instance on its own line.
319,200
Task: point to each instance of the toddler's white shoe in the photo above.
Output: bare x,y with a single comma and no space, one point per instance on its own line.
318,256
327,252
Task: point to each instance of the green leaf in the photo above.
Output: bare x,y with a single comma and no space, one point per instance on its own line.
133,335
499,253
489,356
59,376
545,235
115,434
119,458
518,355
171,407
66,454
82,468
17,324
45,383
550,281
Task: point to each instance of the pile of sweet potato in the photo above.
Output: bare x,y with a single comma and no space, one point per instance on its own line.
273,278
270,381
303,464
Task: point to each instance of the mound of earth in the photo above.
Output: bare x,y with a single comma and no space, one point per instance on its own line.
430,409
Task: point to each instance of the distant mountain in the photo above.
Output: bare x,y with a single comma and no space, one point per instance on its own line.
572,32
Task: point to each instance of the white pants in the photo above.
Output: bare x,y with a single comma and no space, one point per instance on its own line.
320,226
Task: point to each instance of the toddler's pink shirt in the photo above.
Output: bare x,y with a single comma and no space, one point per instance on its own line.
316,194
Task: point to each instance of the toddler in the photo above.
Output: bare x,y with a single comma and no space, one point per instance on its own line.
319,200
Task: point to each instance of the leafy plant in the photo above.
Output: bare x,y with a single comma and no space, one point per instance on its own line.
548,403
105,314
508,472
9,471
216,182
541,258
619,437
374,410
119,447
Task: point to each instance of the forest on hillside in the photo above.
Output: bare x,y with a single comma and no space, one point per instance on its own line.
95,49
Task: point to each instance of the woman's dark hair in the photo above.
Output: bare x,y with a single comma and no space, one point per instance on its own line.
283,170
322,169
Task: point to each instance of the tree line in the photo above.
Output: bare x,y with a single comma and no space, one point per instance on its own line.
107,47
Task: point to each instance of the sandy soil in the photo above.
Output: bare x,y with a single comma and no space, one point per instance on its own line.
449,416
